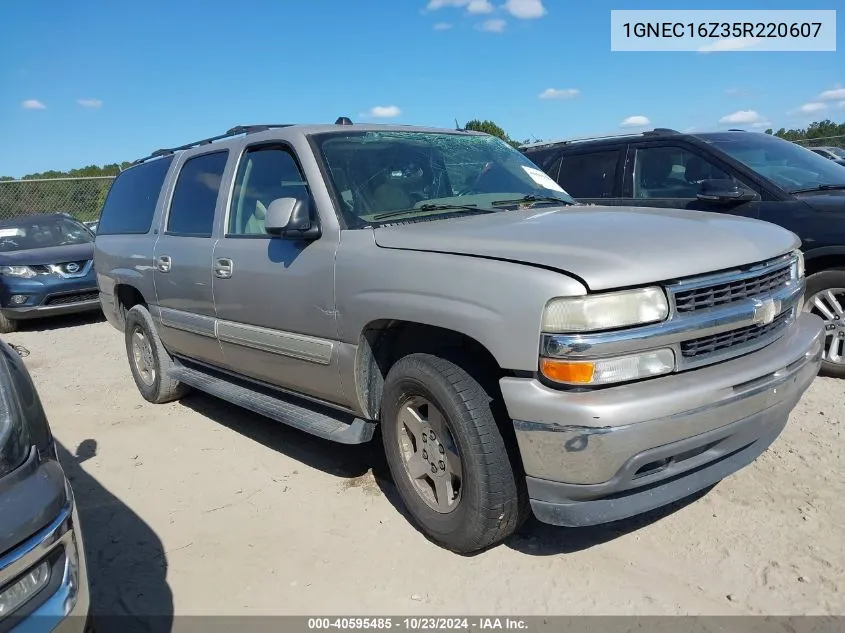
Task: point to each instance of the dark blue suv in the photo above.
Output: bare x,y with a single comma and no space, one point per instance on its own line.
46,268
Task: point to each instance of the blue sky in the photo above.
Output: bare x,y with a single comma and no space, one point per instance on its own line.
98,81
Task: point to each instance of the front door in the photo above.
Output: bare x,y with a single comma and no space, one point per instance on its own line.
669,175
182,261
275,296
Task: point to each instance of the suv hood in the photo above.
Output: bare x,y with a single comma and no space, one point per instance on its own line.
48,255
606,247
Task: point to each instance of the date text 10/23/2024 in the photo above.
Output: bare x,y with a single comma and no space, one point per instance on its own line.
729,30
417,623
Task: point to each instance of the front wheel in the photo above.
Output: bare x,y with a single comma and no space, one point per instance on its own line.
447,455
826,298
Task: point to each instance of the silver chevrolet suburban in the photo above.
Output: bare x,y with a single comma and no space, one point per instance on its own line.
516,351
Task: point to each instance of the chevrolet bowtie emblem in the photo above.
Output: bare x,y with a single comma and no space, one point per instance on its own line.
766,311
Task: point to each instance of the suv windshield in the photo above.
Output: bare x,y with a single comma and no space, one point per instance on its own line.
402,176
838,151
24,233
791,166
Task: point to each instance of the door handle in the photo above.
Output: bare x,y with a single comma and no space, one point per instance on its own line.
164,263
223,268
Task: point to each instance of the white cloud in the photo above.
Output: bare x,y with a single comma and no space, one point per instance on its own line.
810,108
638,120
90,103
525,9
33,104
733,44
442,26
384,112
555,93
472,6
493,26
479,6
746,117
837,94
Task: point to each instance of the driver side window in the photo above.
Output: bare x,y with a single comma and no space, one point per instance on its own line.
264,174
672,172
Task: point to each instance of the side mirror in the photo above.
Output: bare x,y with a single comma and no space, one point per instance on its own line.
723,190
290,218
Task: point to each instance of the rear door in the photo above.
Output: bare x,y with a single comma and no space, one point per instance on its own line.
182,260
668,175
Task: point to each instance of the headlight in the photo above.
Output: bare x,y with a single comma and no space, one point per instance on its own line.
603,371
14,438
605,311
798,266
17,271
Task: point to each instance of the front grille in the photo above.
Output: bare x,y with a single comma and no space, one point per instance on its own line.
76,297
725,340
731,291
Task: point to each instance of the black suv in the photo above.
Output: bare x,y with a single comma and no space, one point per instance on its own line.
741,173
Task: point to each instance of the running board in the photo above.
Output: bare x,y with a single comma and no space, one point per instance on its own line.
327,426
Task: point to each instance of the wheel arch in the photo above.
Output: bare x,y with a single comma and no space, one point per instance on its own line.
824,258
382,342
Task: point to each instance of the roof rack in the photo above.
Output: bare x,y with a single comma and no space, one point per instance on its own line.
235,131
658,131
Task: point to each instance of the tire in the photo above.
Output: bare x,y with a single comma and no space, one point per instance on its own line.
489,503
7,325
155,386
829,280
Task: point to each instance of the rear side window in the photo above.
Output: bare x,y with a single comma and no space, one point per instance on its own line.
131,201
589,175
195,195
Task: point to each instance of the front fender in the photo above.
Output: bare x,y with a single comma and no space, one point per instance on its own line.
497,303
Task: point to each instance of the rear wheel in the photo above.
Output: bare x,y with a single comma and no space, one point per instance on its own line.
7,325
447,456
826,298
149,361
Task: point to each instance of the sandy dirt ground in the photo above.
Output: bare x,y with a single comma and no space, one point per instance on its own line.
200,507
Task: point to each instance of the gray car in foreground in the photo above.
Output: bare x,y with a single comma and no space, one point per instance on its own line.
43,575
517,351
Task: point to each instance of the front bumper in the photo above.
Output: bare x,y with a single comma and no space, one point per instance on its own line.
62,606
597,456
51,296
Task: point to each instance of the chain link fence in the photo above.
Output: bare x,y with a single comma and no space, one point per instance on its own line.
822,141
82,198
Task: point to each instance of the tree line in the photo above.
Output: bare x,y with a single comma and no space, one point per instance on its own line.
815,134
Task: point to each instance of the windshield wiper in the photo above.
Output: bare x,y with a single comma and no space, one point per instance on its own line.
819,188
532,199
433,207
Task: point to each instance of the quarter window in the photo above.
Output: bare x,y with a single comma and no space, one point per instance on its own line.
265,174
131,201
672,172
589,175
195,195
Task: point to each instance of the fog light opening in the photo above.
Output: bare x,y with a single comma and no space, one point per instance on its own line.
24,588
18,299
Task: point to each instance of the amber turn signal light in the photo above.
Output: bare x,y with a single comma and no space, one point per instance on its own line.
567,371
